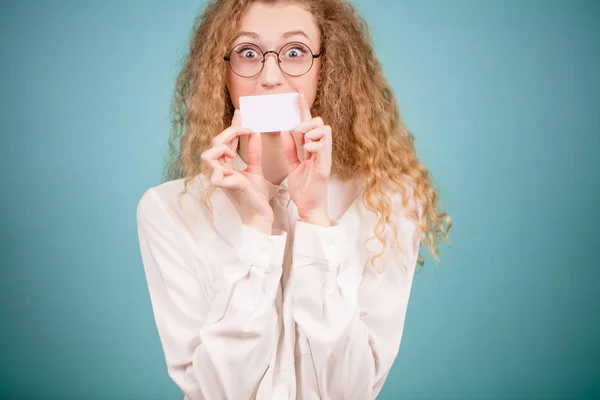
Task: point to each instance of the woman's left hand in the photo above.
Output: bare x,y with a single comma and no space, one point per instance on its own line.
308,179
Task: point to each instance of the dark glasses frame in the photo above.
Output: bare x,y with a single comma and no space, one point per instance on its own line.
264,58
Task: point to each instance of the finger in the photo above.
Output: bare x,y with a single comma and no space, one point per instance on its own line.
217,152
229,134
217,175
302,129
212,155
315,135
290,150
314,147
299,142
304,108
228,184
322,150
236,120
230,180
254,153
328,138
307,126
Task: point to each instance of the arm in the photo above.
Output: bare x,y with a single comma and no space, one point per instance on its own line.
216,346
353,325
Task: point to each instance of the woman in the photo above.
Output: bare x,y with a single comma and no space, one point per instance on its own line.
280,264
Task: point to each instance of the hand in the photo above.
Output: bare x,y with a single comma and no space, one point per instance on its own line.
247,190
308,180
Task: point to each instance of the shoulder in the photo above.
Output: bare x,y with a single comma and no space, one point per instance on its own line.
168,198
399,196
159,195
403,197
400,232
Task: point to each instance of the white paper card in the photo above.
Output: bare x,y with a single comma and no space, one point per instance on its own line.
270,113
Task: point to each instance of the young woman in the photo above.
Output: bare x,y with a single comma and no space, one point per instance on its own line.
280,264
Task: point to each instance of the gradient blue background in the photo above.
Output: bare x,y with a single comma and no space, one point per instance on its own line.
503,97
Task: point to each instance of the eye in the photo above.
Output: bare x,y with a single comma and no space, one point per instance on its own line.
247,52
295,52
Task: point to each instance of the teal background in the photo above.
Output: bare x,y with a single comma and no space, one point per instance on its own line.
503,97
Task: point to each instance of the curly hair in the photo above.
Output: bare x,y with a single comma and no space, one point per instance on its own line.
370,141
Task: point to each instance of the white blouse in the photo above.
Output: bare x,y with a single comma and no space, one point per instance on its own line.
299,314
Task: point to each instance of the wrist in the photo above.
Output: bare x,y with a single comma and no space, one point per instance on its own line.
319,218
262,224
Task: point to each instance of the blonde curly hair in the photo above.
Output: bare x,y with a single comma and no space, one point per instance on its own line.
370,140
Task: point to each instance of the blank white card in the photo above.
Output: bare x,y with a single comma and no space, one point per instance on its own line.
270,113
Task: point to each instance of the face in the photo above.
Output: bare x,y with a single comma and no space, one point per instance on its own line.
270,27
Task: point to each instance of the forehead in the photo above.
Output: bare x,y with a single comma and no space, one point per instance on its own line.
271,21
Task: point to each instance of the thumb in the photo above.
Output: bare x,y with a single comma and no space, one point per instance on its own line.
237,118
290,150
304,108
255,153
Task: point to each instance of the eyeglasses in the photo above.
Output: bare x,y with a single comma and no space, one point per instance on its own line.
294,59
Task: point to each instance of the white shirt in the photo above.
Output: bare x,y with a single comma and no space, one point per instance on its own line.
296,315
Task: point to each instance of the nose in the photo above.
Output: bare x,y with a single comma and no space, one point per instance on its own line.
271,76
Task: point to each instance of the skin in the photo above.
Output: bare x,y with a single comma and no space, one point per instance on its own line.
270,23
303,155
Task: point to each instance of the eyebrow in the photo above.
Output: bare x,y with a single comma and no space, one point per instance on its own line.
286,35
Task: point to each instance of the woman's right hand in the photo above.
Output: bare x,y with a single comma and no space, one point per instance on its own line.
247,190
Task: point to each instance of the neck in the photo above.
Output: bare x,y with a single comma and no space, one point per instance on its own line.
274,162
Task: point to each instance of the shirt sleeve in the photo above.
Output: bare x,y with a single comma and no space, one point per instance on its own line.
353,324
217,346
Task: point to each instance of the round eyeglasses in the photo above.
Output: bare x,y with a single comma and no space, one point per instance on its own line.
248,60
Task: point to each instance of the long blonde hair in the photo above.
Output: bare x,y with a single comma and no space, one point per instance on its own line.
370,140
